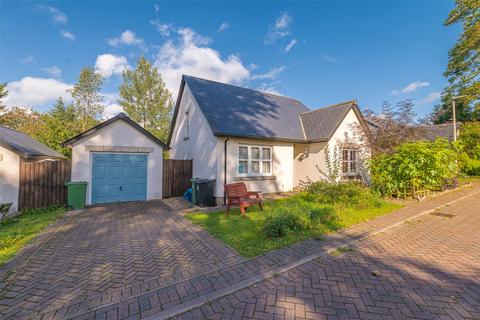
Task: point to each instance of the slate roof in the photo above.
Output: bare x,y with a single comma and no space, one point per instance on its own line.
25,146
320,124
444,130
241,112
120,116
237,111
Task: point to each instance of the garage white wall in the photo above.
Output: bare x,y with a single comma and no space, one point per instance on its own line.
118,134
9,178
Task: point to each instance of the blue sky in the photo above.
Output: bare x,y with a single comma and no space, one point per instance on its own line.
318,52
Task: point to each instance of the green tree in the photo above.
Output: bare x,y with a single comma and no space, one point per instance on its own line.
58,125
145,98
86,97
463,70
22,119
3,92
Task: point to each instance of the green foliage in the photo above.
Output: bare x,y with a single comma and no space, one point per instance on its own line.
469,148
418,165
22,119
86,96
299,218
145,98
463,70
58,125
349,194
16,232
283,222
3,94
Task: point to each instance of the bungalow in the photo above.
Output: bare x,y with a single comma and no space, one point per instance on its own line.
270,142
17,147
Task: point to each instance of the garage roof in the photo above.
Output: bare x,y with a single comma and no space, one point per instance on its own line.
120,116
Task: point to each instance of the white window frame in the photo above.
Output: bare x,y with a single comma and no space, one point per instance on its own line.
249,160
349,161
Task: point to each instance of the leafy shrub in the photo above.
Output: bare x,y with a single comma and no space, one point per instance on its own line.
415,165
469,148
469,165
278,225
349,194
325,215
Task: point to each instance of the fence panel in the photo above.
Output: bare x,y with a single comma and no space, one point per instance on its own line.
42,183
176,177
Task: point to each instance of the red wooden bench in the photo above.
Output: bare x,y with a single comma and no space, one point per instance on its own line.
237,195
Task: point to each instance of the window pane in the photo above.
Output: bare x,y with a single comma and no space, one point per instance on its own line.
353,155
345,155
353,167
266,154
266,167
255,167
345,167
243,167
242,152
255,152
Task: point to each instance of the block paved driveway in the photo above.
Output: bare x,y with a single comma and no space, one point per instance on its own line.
428,268
105,248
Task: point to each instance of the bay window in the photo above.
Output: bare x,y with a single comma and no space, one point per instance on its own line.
254,160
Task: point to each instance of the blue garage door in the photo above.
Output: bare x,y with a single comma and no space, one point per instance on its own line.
119,177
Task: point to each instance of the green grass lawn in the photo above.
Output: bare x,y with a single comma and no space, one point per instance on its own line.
16,232
245,234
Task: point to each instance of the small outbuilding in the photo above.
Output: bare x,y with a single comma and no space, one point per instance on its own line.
120,160
15,148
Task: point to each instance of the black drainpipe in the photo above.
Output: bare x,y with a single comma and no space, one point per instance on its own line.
225,170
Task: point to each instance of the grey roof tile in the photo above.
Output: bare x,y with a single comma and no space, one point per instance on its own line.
320,124
236,111
24,145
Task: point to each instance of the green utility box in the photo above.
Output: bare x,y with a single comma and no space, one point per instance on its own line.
76,194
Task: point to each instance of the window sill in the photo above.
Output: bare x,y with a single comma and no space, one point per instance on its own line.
255,178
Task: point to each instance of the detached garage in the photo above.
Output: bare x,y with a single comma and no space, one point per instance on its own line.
120,160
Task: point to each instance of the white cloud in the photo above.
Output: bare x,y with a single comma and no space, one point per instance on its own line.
110,103
164,28
67,34
224,26
431,98
54,71
279,29
290,45
328,58
28,59
157,7
268,88
272,74
109,64
127,37
191,56
33,92
57,15
283,21
414,86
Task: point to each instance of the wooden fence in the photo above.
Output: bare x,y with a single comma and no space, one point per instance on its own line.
42,184
176,177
